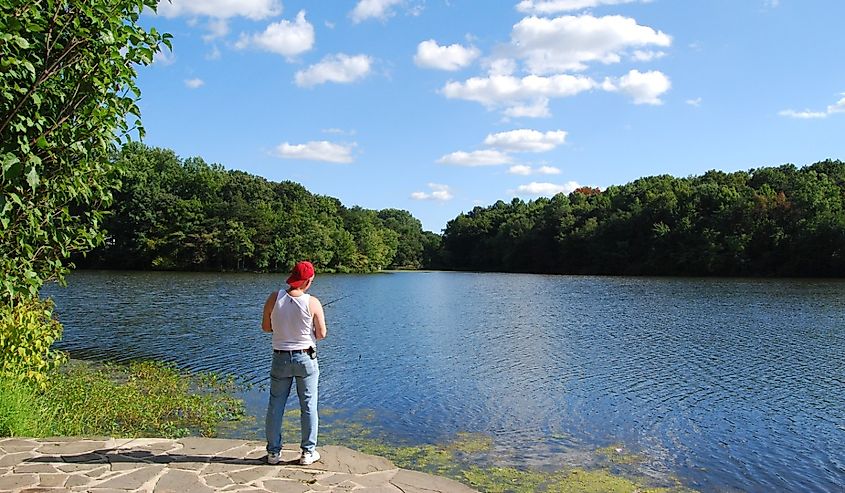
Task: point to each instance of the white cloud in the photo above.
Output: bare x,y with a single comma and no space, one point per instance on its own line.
284,37
316,151
538,109
523,170
838,107
520,169
526,140
570,42
547,189
438,192
338,68
164,57
221,9
500,66
647,55
452,57
694,102
194,83
644,87
214,54
507,90
548,170
373,9
545,7
806,114
217,28
476,158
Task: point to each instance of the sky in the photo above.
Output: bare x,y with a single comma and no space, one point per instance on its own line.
438,106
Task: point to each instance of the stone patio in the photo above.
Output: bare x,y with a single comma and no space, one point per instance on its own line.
197,465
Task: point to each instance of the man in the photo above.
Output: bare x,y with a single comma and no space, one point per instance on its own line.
297,322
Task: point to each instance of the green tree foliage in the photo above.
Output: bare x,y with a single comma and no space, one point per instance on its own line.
67,92
185,214
67,99
780,221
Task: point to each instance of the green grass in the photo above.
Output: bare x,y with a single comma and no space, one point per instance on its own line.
20,409
142,399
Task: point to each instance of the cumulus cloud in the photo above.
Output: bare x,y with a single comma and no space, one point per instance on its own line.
838,107
507,90
500,66
321,150
221,9
194,83
452,57
644,87
520,169
438,192
523,170
284,37
217,28
568,43
373,9
339,68
547,189
647,56
476,158
694,102
546,7
526,140
537,109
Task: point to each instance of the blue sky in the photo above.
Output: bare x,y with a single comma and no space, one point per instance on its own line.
436,106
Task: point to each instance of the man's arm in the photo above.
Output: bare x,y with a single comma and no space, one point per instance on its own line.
268,309
320,330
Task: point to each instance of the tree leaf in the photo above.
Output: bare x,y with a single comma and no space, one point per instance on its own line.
32,178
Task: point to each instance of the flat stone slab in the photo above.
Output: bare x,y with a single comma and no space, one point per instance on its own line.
198,465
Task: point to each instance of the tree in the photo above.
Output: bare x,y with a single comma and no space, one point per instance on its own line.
67,97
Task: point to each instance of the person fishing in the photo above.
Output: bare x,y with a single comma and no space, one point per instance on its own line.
297,321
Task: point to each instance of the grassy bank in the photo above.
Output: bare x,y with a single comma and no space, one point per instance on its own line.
142,399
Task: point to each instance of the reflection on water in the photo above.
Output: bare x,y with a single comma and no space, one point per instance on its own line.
729,383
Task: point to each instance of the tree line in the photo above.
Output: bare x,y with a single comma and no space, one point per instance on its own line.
185,214
771,221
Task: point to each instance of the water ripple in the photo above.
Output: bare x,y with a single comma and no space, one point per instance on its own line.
733,384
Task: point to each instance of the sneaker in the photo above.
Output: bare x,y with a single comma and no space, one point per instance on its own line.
273,458
309,458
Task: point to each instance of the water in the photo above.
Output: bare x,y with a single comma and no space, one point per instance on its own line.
730,384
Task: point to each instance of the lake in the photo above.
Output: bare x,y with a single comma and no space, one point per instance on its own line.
730,384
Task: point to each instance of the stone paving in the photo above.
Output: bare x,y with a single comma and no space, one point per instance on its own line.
197,465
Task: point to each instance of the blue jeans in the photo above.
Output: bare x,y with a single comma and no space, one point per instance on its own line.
306,371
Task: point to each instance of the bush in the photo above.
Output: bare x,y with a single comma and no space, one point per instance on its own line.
27,332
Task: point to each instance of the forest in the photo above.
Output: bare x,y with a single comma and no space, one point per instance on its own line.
185,214
772,221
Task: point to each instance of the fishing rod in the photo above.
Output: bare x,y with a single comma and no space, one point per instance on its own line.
336,300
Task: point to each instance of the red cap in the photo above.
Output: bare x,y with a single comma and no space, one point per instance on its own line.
302,272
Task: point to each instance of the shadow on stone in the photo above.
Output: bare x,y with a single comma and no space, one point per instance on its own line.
142,456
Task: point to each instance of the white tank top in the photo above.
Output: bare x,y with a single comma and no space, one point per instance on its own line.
292,322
